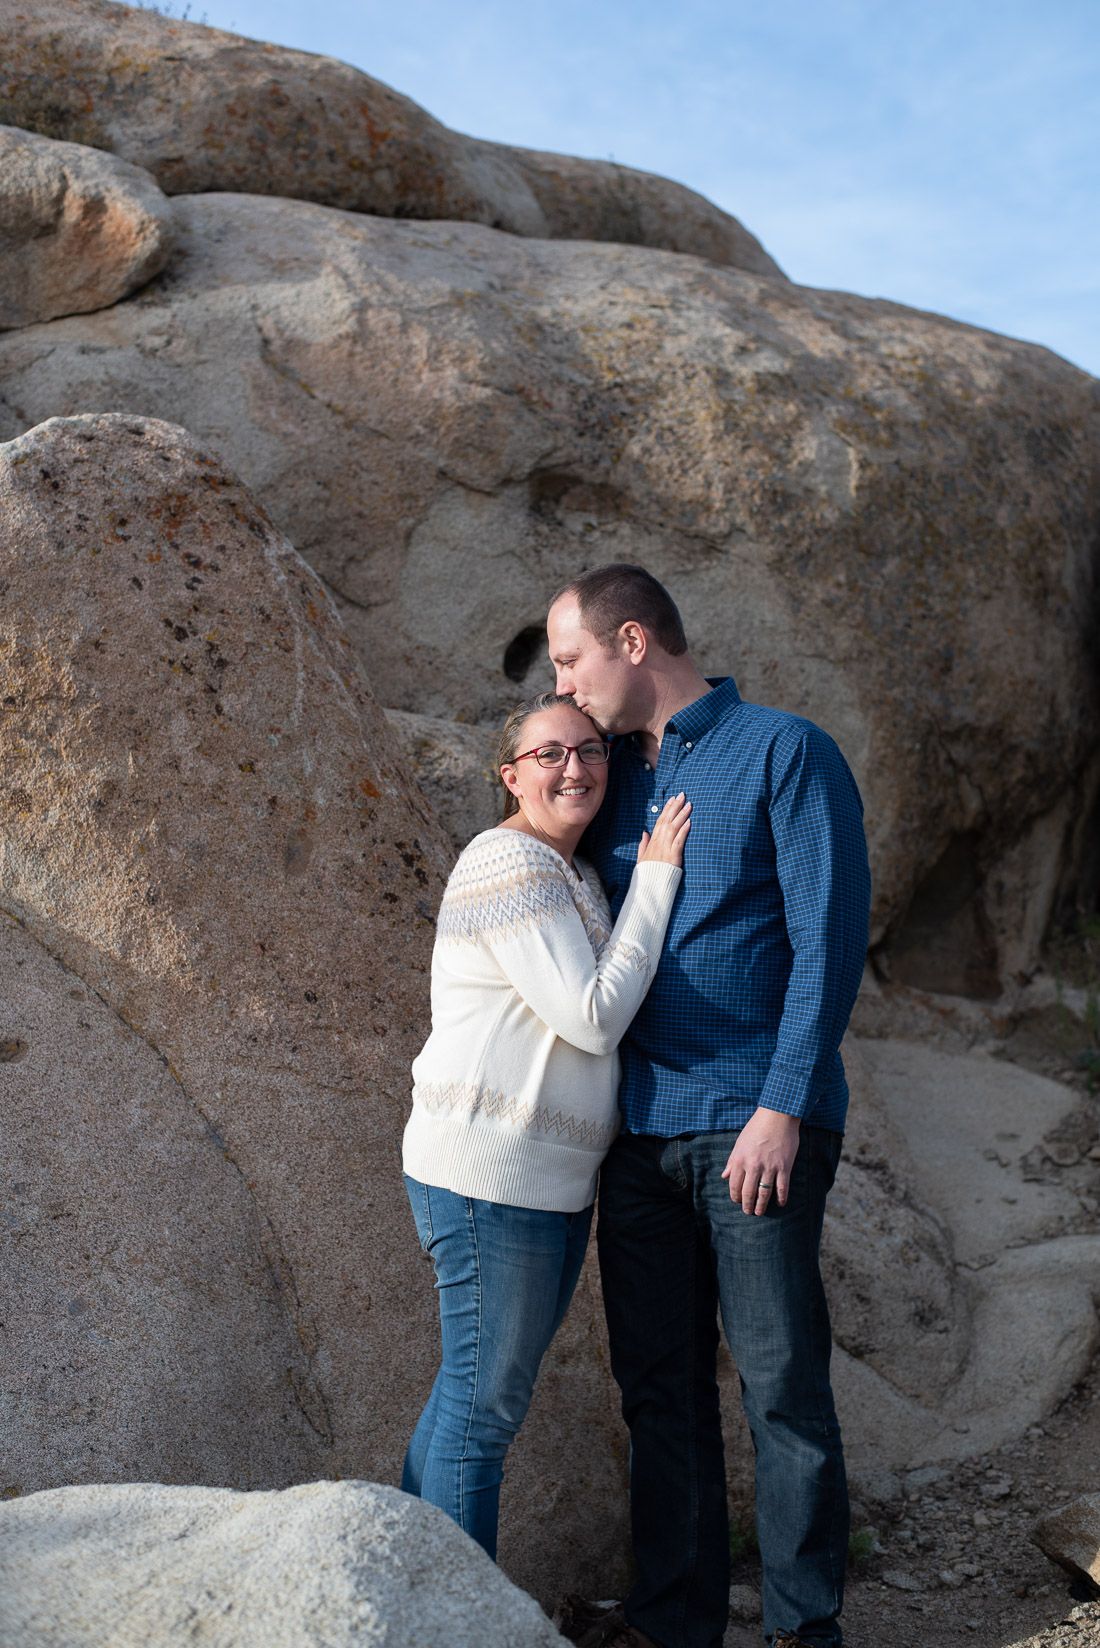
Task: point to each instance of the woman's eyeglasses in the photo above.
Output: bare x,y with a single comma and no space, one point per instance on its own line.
593,753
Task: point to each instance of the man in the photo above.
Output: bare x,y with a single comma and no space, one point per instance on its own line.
733,1101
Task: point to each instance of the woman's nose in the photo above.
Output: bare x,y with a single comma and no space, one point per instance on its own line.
574,766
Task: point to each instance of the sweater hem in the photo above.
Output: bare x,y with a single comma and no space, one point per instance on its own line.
516,1170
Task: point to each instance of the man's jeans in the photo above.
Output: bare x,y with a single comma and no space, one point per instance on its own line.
505,1276
673,1248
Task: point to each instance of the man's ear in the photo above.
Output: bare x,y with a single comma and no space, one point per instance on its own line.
634,641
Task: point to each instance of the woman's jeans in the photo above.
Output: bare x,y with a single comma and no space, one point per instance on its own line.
674,1251
505,1276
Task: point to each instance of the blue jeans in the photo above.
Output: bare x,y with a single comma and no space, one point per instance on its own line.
673,1251
505,1276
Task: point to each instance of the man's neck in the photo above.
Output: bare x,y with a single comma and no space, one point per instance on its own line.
673,692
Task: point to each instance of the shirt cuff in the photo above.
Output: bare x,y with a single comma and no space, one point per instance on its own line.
787,1090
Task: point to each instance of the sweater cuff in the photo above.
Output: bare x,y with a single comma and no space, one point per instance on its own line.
652,890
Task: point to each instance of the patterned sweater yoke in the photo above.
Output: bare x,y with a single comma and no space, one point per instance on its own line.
514,1096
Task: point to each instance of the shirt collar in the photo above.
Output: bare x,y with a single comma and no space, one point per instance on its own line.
695,719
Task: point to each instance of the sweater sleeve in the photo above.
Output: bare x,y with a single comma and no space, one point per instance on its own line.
546,954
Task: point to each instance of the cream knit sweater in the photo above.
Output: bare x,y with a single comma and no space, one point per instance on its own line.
514,1091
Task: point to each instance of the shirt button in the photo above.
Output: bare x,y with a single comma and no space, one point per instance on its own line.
687,746
647,766
654,809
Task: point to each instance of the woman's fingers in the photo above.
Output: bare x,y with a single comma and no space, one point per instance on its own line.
667,841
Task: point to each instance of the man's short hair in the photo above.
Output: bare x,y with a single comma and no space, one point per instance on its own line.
609,597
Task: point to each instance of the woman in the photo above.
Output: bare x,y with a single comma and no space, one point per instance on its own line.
514,1096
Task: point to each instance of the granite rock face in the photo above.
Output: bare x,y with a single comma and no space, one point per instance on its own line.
208,826
78,229
140,1305
455,767
1004,1325
878,518
896,1302
202,109
327,1565
220,860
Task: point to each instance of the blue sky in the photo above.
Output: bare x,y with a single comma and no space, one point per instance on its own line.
945,155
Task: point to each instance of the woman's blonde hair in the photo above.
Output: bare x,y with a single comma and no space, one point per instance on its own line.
511,736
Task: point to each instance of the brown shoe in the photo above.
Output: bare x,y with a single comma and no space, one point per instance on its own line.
612,1631
784,1639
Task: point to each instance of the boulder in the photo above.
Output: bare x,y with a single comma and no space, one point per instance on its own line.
1070,1536
327,1565
140,1287
865,512
888,1259
1002,1305
202,109
1080,1628
455,766
207,824
971,1124
78,229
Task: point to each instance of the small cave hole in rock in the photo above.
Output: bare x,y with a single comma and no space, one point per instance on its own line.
522,650
11,1049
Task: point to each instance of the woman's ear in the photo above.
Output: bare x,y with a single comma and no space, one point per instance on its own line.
510,778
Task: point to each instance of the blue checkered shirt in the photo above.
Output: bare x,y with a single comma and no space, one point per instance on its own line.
768,935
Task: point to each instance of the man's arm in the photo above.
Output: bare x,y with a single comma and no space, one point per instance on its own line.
821,864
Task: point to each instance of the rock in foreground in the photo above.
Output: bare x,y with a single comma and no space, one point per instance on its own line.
1079,1629
78,229
1071,1537
321,1566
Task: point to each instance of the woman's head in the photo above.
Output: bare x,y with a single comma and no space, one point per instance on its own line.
556,798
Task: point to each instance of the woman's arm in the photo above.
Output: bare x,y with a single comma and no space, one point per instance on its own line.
544,950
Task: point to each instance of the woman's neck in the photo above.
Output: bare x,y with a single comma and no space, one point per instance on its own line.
566,845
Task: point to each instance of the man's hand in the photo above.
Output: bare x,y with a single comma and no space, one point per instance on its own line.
760,1164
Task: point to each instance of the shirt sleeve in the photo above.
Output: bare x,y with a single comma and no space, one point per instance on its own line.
548,958
821,864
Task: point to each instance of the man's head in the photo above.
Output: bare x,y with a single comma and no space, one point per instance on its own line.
612,633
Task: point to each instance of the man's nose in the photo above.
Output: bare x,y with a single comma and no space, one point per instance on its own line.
562,684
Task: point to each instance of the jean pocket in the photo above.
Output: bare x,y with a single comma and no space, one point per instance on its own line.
421,1204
